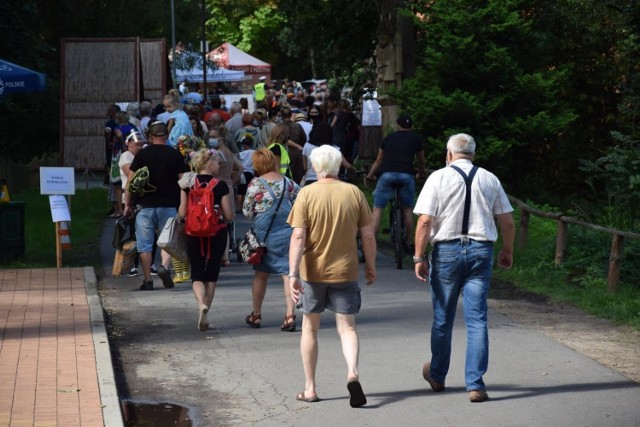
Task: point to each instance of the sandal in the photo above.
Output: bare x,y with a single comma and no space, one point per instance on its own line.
254,320
289,324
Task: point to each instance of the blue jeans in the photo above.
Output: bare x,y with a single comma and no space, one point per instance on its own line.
460,266
148,220
383,192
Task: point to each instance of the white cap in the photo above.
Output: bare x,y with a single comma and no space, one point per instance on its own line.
262,78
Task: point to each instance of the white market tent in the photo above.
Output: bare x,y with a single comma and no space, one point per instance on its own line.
230,57
194,75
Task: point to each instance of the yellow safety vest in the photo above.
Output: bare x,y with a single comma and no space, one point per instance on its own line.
260,92
285,160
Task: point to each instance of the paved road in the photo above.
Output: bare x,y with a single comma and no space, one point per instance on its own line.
233,375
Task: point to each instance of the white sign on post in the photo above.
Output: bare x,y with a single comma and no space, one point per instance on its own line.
59,208
57,181
371,113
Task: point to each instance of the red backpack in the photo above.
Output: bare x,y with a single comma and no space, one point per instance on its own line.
202,219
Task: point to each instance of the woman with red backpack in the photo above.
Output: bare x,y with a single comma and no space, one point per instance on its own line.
204,249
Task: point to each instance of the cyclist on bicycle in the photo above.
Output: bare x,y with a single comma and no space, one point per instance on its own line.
394,163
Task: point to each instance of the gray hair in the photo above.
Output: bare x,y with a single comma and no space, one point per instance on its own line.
326,161
145,107
133,108
461,143
235,108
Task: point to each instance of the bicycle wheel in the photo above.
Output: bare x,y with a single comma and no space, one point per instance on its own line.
398,240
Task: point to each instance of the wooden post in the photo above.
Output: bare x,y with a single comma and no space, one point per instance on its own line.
561,242
617,253
58,247
524,228
63,240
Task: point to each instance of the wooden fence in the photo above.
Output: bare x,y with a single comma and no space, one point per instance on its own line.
617,244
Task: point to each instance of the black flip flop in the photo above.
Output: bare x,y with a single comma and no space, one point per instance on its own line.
357,395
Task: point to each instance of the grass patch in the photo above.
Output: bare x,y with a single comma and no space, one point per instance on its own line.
581,279
88,209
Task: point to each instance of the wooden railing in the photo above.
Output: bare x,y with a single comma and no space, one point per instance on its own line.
617,243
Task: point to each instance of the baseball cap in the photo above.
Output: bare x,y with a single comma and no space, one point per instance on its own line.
158,128
262,78
404,121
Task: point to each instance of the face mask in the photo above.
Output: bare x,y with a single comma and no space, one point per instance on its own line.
255,123
214,143
278,120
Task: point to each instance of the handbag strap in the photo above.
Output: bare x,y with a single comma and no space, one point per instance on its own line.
273,218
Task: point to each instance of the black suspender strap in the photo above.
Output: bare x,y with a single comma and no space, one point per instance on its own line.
467,198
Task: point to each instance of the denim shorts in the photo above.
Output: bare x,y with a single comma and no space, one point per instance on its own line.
383,192
148,220
343,298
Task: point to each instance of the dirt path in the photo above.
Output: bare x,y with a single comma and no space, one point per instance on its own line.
612,345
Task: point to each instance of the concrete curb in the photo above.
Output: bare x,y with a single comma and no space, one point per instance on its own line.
111,412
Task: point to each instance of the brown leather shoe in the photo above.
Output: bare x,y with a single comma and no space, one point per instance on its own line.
437,387
478,396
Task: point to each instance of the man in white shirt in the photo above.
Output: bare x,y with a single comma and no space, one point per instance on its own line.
457,209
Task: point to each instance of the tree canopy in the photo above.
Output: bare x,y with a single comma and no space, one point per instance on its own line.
536,83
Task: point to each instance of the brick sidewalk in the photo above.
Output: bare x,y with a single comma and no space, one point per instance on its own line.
48,371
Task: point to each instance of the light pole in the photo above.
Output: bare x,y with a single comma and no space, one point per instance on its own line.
173,45
204,53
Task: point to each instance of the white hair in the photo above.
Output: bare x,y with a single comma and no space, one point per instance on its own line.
461,143
133,108
326,161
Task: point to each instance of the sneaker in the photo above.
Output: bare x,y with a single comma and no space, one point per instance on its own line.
182,277
133,272
476,396
146,286
154,270
426,374
165,276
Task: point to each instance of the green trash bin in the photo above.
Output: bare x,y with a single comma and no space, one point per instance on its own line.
11,231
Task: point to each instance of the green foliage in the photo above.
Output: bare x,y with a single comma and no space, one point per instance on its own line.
616,178
581,278
29,120
189,59
324,39
479,78
531,81
250,25
290,34
88,208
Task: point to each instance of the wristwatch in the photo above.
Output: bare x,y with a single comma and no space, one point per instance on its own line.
417,259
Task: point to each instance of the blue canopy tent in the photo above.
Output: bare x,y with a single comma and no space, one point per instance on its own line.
15,79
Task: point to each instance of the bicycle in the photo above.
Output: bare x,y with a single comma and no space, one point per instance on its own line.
397,227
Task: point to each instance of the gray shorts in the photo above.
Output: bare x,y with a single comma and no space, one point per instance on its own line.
343,298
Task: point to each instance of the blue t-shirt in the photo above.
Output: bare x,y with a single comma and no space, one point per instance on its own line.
181,126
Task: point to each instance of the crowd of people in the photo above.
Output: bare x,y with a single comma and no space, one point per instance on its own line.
280,166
